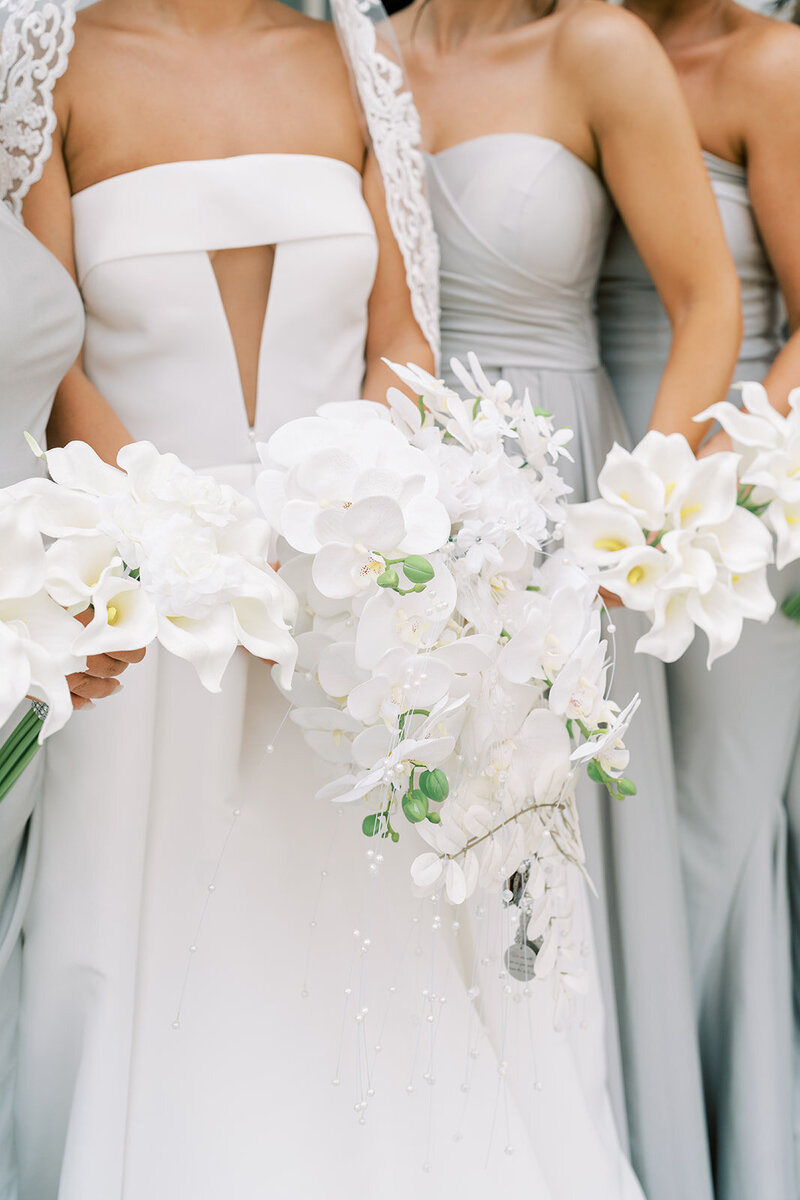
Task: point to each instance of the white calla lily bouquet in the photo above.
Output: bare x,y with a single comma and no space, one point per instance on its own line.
451,665
688,541
156,551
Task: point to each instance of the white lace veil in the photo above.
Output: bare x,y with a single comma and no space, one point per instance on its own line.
392,128
35,41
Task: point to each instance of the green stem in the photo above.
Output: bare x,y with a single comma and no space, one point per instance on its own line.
19,749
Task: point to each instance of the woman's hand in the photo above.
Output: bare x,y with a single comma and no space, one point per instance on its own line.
610,599
99,680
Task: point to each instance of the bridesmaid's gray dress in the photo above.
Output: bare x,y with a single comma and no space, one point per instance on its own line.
523,225
735,732
41,330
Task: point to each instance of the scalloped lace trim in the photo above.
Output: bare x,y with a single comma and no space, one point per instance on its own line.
35,42
394,127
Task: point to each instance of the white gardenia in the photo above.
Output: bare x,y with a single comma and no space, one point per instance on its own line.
160,552
450,658
670,538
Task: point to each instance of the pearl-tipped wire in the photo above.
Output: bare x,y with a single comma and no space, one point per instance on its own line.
211,886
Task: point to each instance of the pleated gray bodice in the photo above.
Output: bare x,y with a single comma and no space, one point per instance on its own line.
522,223
634,328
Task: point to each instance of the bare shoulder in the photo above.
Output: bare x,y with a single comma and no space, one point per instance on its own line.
764,54
609,57
602,36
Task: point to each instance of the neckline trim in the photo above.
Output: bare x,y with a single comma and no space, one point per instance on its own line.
231,158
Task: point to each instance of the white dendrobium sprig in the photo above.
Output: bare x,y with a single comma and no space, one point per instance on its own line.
159,552
677,538
448,666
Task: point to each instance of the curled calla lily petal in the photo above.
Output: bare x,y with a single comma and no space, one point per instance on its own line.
124,617
634,486
596,533
75,565
21,552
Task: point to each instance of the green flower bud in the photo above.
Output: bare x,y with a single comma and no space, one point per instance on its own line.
626,787
415,806
371,824
417,569
595,771
434,818
389,579
435,785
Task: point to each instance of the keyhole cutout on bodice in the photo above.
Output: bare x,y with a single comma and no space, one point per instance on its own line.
244,277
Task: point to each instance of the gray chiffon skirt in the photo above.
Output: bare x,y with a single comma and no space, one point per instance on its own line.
640,923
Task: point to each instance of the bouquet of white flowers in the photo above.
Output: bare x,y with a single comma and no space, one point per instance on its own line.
155,550
676,538
688,541
451,661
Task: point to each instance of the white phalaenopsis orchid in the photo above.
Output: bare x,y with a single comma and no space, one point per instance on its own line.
159,552
448,665
670,537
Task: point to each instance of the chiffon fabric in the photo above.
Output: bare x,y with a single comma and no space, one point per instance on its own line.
522,224
735,734
41,327
209,949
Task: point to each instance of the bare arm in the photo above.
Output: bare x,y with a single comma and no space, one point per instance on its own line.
649,155
393,332
771,111
79,411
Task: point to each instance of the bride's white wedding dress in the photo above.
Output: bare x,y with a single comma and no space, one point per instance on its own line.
150,1071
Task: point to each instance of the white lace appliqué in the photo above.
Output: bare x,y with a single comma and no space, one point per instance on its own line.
35,41
394,128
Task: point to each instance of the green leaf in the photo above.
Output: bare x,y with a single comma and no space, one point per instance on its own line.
435,785
417,569
791,607
415,805
389,579
421,407
371,825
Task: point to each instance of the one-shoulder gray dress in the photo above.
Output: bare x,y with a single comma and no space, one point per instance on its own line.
41,330
523,224
735,731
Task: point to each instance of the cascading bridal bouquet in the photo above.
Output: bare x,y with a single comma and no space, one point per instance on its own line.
156,551
688,541
453,671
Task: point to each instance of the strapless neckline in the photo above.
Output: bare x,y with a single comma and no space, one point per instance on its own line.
175,164
725,166
531,137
